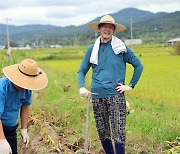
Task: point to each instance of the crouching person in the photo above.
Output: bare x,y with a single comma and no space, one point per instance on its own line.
16,96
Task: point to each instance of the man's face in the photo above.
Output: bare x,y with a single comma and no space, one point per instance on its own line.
19,88
106,31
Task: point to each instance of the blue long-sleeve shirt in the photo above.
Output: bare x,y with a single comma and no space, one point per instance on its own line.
111,69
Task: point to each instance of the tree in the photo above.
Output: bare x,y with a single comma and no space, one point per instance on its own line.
177,48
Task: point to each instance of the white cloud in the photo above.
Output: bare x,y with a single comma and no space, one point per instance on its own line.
62,12
165,7
43,3
24,15
74,12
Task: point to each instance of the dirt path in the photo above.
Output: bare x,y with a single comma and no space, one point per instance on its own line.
47,141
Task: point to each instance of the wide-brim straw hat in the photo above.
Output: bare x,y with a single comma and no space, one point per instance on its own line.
107,19
26,75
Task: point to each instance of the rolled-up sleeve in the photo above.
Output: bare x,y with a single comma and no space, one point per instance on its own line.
132,59
84,67
28,98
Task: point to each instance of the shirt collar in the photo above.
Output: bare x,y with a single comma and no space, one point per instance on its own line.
12,88
106,42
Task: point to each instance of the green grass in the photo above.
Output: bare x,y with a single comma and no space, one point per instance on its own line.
160,80
155,100
153,121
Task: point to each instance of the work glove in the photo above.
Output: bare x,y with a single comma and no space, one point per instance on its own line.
5,148
122,88
84,92
25,136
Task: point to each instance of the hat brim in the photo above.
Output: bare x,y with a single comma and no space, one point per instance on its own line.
24,81
119,27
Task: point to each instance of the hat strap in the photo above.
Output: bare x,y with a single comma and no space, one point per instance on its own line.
30,74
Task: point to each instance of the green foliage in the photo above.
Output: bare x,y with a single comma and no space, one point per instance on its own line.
177,48
155,99
12,44
4,61
2,64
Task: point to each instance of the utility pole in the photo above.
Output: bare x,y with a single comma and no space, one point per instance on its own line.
7,24
75,41
37,42
131,31
8,40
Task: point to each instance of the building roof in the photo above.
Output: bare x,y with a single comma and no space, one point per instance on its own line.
174,40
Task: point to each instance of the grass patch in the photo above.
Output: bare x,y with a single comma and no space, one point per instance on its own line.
155,99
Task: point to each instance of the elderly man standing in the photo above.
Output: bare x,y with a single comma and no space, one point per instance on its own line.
108,57
16,95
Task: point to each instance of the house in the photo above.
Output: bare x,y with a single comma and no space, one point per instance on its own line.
55,46
133,41
172,41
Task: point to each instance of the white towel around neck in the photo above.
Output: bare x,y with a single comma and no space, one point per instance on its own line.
117,45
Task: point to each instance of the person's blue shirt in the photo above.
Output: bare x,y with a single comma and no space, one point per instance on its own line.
10,102
111,69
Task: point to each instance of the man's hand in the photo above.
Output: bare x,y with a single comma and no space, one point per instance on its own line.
84,92
5,148
25,136
122,88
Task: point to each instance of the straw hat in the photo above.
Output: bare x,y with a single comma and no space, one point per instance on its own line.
26,75
107,19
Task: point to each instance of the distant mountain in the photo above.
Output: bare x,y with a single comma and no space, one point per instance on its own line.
124,15
20,29
167,26
168,20
144,23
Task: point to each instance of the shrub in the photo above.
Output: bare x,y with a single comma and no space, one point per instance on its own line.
177,48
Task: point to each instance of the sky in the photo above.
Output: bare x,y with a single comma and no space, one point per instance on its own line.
73,12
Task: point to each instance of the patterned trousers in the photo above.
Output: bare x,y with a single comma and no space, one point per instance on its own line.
110,115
